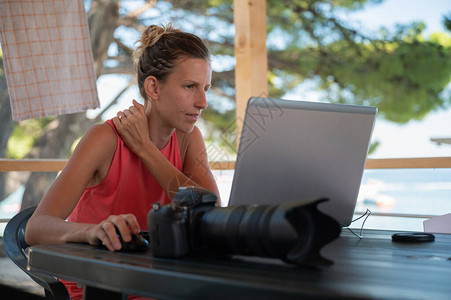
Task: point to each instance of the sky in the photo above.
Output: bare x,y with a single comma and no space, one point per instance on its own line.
391,12
409,140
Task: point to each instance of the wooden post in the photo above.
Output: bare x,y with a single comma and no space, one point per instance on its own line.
251,57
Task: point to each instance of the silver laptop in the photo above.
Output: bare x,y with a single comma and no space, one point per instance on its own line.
297,150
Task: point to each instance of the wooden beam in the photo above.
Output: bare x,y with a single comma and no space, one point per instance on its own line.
222,165
32,165
251,56
409,163
56,165
379,163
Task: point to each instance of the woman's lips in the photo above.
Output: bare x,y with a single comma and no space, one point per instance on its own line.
193,117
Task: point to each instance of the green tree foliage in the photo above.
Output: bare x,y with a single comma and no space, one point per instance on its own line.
403,79
24,136
400,72
447,22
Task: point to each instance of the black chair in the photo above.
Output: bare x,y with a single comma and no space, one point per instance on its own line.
15,246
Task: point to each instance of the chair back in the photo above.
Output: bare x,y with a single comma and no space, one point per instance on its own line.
16,247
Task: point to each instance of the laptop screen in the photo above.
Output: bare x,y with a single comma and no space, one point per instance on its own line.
297,150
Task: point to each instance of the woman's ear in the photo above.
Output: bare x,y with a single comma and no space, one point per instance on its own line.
151,87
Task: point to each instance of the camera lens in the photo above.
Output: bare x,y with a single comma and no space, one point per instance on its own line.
248,230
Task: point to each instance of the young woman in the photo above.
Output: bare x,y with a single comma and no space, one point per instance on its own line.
142,156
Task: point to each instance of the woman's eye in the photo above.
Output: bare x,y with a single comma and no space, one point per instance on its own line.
189,86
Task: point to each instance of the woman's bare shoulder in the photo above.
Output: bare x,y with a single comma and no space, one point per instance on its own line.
101,133
99,140
186,139
95,152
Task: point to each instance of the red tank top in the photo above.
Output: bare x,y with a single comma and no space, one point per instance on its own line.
128,187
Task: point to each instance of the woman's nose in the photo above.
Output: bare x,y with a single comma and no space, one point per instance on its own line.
201,100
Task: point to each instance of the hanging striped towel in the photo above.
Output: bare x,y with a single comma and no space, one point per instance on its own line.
47,57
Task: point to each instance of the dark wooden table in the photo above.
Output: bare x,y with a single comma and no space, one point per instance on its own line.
374,267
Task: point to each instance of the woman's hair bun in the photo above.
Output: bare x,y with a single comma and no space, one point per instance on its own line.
153,34
150,37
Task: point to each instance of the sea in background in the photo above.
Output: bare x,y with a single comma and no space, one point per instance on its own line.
420,192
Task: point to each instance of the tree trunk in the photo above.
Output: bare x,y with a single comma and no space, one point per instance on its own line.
103,19
56,143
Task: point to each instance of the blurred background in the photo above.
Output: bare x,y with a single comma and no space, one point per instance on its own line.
393,54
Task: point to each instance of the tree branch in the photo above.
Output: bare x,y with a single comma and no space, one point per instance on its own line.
137,12
114,101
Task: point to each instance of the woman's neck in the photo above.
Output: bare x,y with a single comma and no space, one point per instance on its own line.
159,133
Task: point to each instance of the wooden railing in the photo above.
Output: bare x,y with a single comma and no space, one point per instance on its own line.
55,165
32,165
409,163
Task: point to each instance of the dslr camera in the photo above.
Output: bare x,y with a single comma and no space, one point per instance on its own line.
193,224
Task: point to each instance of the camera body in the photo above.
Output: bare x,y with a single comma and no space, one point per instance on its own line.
192,224
174,228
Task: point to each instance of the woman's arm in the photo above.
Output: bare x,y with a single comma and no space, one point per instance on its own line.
196,166
88,165
196,172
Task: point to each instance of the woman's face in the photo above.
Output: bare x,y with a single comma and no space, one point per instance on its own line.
181,98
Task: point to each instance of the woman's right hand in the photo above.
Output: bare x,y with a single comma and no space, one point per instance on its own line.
105,231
